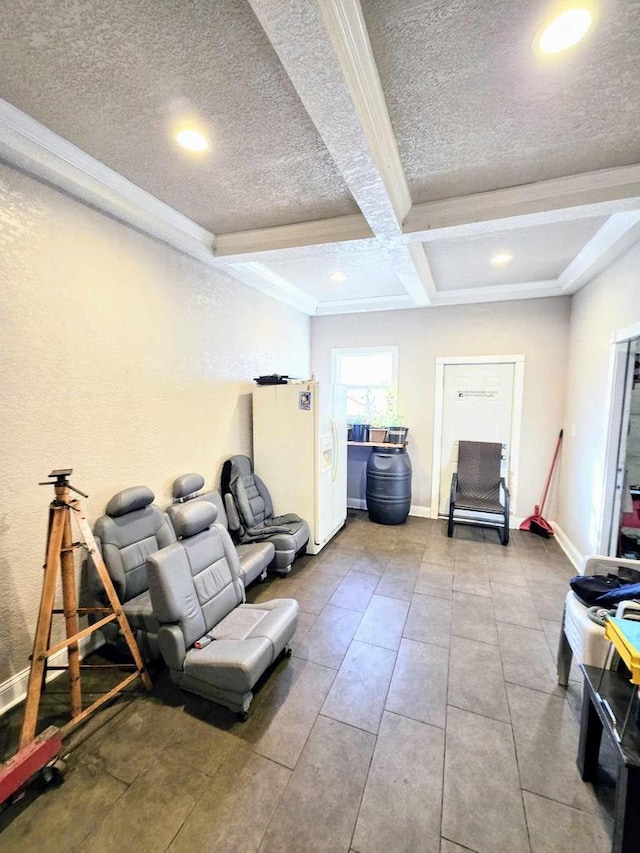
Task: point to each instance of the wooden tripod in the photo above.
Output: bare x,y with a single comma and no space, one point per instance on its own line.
60,560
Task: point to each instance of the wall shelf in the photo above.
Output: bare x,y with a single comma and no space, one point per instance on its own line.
376,444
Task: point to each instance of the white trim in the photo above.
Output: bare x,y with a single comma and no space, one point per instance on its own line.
337,229
629,333
339,352
618,402
375,303
420,511
618,233
356,503
516,419
576,558
559,193
498,293
14,689
262,278
348,32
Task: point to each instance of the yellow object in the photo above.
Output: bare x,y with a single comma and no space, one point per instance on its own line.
625,636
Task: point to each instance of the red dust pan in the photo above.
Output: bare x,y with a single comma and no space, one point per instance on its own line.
536,523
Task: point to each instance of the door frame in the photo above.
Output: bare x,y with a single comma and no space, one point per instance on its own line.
613,477
516,420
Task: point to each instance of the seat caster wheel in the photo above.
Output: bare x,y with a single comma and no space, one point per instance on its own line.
51,776
288,652
242,716
282,574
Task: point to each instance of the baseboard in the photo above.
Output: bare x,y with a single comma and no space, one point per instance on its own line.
420,511
576,558
14,689
356,503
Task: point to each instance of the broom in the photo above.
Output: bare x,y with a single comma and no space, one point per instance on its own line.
536,523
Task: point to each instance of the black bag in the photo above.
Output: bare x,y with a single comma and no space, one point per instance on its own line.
590,587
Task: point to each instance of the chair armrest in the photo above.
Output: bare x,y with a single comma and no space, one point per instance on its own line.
505,490
592,564
454,489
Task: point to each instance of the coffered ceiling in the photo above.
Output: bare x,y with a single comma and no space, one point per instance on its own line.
398,145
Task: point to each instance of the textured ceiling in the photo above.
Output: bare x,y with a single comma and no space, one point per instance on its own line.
540,253
369,273
111,77
474,110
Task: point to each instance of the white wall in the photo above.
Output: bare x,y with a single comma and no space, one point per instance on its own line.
122,359
537,328
609,303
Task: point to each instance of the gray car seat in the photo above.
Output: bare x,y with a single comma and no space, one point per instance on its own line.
250,514
254,556
131,529
214,644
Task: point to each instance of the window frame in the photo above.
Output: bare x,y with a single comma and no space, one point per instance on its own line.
337,353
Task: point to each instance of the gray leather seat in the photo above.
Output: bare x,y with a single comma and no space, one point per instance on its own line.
214,644
250,514
254,557
131,529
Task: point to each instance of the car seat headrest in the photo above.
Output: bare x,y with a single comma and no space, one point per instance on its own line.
187,484
194,517
243,465
128,500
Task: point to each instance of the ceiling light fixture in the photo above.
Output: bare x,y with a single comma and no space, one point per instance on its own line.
501,259
338,277
192,140
569,24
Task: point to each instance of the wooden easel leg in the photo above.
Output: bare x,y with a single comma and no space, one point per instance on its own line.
98,562
70,605
41,640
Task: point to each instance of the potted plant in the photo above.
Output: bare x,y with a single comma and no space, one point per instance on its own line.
378,429
360,428
396,432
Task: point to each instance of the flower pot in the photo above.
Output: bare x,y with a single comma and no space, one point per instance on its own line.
360,432
397,435
377,434
350,433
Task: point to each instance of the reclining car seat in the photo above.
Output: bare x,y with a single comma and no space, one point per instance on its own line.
254,556
131,529
250,514
214,644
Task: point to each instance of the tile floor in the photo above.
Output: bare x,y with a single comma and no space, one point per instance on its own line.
420,712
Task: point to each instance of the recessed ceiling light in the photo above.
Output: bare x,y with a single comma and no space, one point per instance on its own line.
192,140
338,277
501,259
569,25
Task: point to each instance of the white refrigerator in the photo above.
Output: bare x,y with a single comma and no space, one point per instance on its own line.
300,451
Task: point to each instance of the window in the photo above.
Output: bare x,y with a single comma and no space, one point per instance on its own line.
370,375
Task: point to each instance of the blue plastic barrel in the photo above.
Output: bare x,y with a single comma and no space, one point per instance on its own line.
389,486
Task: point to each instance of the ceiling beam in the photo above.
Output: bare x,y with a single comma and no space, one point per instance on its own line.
618,233
498,293
374,303
337,229
594,193
324,48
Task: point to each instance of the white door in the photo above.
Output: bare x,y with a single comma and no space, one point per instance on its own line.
477,406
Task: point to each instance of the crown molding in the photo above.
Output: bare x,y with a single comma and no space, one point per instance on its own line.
32,147
617,234
498,293
356,306
348,32
337,229
261,278
605,187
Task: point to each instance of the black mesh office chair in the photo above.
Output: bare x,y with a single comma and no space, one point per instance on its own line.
479,495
